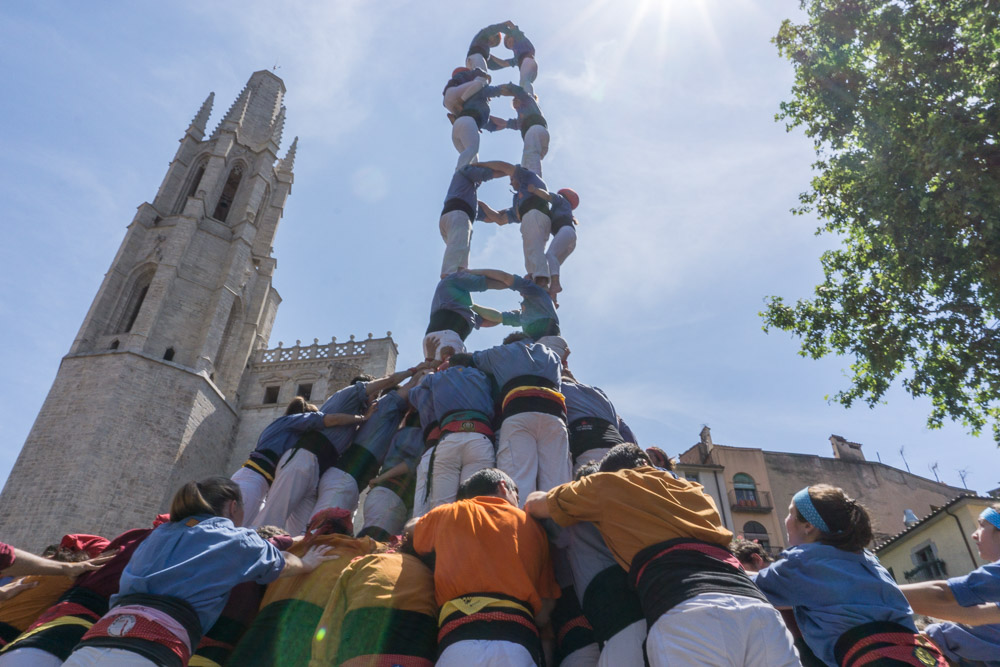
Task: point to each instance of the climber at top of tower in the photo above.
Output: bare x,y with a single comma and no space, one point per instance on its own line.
479,55
531,123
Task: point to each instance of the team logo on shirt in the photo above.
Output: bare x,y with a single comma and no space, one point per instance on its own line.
924,656
468,426
121,625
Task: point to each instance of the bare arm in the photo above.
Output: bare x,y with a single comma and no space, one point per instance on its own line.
934,598
544,194
29,563
545,612
376,387
495,276
490,317
294,565
537,505
397,470
7,591
341,419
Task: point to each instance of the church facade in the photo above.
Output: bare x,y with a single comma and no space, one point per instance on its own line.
169,378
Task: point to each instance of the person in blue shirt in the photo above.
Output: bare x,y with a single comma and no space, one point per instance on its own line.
486,39
389,501
257,473
839,592
532,211
531,123
968,604
462,401
537,315
532,445
463,84
178,580
458,213
452,317
524,57
467,124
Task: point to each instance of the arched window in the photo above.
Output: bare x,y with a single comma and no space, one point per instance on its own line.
133,304
756,532
192,187
746,490
169,354
114,344
228,193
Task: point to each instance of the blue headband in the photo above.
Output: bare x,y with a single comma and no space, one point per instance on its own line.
991,515
806,509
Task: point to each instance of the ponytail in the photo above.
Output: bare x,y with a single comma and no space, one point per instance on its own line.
209,496
848,520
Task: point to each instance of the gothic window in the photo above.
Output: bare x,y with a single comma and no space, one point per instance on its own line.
746,490
192,187
169,354
133,303
305,391
228,193
756,532
271,394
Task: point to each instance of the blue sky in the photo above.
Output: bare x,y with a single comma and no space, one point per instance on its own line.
661,115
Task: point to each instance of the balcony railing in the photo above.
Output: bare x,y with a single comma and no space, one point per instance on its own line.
929,571
742,500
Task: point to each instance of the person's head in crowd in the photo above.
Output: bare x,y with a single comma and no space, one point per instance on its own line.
558,345
331,521
987,534
364,377
217,496
267,532
626,455
750,554
659,458
515,337
826,514
587,469
298,405
489,482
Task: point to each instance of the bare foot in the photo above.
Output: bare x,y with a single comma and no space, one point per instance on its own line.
554,286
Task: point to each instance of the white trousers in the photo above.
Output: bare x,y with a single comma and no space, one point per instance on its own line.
455,96
383,509
561,246
290,501
456,230
536,146
420,505
533,449
590,456
92,656
529,71
624,647
721,630
586,656
465,136
337,489
458,457
253,488
535,227
29,657
476,60
485,653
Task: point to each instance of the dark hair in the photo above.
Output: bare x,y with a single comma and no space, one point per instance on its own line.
485,483
625,455
209,496
515,337
847,519
659,458
587,469
364,377
298,405
267,532
411,418
744,550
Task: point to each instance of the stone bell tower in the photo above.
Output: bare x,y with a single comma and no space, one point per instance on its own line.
146,399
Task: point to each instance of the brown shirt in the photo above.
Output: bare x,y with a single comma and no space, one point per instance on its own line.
637,508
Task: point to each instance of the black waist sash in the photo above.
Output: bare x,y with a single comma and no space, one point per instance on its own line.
474,115
459,204
59,637
610,604
478,48
520,404
886,643
492,623
178,609
592,433
317,443
532,203
449,320
668,573
531,121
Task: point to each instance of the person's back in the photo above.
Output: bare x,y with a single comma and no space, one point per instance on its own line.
492,573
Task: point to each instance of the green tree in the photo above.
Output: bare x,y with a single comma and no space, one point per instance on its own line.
900,98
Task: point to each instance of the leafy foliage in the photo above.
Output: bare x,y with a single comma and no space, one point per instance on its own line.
900,98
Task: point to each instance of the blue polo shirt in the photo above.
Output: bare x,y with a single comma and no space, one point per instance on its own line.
560,212
453,293
831,592
350,400
407,447
584,401
481,42
423,402
199,564
462,192
521,46
459,388
537,316
376,433
478,106
506,362
524,178
285,431
463,77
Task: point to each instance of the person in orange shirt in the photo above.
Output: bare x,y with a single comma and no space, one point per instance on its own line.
492,575
701,607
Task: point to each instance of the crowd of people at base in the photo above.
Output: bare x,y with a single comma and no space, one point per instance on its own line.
509,516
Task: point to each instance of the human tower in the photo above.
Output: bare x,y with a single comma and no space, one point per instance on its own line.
461,465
